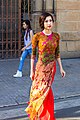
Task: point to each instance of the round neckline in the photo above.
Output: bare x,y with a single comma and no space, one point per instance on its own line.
47,34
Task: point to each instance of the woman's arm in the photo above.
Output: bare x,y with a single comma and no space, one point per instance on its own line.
33,56
61,68
57,55
32,69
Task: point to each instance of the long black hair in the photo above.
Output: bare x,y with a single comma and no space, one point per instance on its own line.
29,27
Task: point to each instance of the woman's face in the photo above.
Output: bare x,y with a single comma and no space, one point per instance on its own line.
48,23
25,25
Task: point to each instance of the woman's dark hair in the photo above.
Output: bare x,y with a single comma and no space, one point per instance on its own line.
29,27
43,17
27,23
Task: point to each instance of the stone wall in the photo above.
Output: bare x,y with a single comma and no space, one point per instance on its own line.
37,6
68,25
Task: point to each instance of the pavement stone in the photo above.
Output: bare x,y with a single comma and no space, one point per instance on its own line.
69,119
56,119
15,91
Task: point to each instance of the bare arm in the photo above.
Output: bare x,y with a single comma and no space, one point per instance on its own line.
61,68
33,56
32,69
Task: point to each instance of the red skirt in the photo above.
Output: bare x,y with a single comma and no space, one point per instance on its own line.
41,105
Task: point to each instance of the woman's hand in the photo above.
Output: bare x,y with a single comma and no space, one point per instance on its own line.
61,68
32,75
62,73
23,48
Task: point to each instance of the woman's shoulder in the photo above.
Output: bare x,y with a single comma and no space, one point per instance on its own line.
57,35
30,30
37,34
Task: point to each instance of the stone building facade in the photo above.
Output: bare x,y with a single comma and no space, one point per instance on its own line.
67,23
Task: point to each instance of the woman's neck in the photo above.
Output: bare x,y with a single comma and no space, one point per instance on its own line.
47,32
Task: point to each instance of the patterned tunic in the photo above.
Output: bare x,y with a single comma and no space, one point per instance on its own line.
41,92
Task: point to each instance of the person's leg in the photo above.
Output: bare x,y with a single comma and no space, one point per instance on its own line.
22,58
48,107
29,51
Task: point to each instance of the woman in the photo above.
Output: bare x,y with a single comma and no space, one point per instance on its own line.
41,105
27,49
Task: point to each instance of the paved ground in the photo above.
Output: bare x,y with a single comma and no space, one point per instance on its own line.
60,119
14,92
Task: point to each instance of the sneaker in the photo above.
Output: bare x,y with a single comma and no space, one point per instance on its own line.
18,74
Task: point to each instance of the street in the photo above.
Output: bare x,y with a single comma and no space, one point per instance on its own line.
14,92
68,112
68,108
61,114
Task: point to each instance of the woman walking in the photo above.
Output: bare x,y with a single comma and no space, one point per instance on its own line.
41,104
27,49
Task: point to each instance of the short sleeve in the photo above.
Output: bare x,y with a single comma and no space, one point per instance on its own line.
57,51
34,46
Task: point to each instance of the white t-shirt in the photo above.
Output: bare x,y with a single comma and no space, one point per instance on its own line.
27,40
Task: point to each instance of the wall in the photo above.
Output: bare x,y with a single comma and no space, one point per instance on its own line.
68,25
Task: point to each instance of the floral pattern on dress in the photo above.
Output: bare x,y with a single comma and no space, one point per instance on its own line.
48,49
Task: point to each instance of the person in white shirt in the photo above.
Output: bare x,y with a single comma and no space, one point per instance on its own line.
27,49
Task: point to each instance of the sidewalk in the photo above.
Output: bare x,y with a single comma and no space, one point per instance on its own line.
69,119
60,119
14,92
